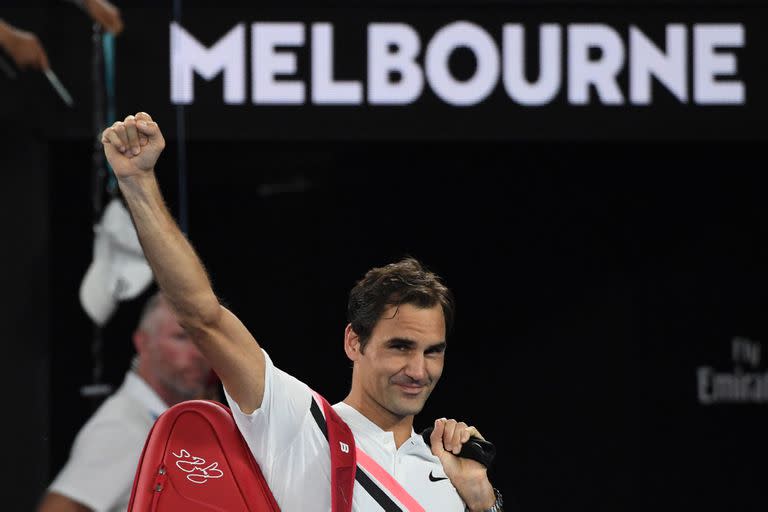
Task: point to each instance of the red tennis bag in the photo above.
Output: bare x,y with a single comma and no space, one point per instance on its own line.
196,460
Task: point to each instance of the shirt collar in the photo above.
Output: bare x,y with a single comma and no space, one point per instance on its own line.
359,422
137,388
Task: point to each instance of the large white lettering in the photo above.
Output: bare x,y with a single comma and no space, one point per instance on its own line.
601,72
518,86
392,51
326,90
708,64
443,44
646,61
267,63
399,66
189,56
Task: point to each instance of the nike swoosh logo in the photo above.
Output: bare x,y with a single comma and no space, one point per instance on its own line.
433,479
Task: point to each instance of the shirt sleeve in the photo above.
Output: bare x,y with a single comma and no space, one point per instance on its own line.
102,463
271,428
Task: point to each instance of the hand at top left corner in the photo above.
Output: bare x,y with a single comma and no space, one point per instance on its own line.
105,14
24,47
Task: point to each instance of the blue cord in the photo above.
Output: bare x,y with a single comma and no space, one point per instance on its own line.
108,45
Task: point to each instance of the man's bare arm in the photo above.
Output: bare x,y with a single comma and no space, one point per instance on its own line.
54,502
132,148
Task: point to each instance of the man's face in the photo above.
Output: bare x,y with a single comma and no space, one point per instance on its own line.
174,358
404,358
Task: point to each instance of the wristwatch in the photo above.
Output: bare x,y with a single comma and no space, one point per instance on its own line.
499,505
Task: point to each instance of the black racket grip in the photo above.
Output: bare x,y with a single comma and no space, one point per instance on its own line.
475,449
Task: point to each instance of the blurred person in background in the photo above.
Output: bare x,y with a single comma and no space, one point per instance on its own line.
167,369
28,52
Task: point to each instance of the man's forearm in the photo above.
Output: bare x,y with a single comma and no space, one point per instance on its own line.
6,31
177,268
478,497
55,502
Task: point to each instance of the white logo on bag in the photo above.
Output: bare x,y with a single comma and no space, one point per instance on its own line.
196,467
344,447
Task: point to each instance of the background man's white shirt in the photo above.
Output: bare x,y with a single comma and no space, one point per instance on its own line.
102,462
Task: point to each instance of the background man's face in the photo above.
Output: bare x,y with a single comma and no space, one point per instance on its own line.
175,359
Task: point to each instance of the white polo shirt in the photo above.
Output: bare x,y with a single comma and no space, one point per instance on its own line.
106,451
295,458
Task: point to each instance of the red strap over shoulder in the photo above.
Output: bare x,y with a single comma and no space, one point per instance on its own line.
343,458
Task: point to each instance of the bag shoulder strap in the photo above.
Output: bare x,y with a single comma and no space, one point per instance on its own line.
343,454
346,458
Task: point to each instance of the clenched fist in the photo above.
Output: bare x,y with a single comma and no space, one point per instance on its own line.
469,477
133,146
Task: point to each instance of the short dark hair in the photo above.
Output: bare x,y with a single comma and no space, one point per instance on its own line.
147,317
404,282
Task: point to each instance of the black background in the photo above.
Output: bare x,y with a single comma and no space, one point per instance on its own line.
591,279
593,275
143,76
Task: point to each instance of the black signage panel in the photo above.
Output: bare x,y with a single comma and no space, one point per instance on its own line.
492,72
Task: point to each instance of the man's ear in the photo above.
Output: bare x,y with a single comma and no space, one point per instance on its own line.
351,343
139,340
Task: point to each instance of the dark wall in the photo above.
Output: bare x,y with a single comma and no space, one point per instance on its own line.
24,258
25,283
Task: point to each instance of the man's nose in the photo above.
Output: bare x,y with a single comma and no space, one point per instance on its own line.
195,354
416,368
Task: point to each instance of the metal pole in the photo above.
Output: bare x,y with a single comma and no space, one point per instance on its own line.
97,389
181,149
